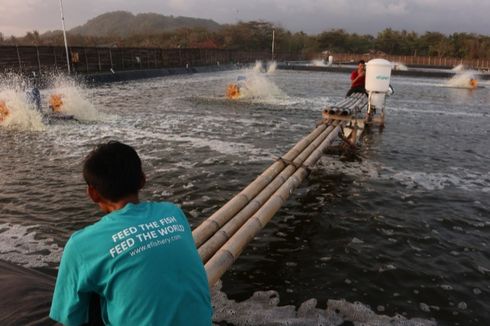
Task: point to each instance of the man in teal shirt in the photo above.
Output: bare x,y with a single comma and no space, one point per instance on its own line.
140,258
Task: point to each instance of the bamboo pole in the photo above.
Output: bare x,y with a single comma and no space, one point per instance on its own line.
223,215
224,258
349,102
223,234
353,102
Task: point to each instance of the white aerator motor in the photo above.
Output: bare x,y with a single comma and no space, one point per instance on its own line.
378,74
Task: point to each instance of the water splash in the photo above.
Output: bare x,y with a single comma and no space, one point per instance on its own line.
21,113
75,98
458,68
255,86
465,79
399,66
261,67
271,67
258,67
318,63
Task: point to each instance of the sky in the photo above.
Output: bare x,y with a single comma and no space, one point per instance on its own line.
309,16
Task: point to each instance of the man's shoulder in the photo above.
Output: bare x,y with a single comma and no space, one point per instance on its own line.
86,233
90,231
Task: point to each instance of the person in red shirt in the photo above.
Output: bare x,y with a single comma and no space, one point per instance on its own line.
358,79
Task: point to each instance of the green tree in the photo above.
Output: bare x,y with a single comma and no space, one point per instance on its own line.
389,41
334,40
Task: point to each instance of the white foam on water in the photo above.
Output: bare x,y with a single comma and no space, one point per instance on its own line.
458,177
223,147
411,110
220,120
364,170
263,309
19,245
313,104
416,82
484,83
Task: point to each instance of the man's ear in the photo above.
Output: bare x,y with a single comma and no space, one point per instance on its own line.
142,181
93,194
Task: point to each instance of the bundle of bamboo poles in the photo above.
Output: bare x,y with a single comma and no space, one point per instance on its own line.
349,105
222,237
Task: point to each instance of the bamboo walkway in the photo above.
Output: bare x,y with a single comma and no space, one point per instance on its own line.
223,236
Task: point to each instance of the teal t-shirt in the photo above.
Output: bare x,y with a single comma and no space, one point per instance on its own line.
142,262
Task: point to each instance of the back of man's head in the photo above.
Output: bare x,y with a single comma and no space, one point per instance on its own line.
114,170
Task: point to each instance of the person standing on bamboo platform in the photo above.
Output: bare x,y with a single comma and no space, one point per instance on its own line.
358,79
139,260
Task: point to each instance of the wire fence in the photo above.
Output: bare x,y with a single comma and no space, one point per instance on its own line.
42,59
478,64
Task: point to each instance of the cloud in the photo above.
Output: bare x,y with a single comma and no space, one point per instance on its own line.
311,16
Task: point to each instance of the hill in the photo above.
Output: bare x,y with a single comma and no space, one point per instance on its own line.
124,24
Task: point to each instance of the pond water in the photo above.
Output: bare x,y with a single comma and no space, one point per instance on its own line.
404,229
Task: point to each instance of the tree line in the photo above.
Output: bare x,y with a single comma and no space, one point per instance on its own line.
257,36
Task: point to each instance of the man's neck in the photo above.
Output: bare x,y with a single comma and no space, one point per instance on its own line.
110,206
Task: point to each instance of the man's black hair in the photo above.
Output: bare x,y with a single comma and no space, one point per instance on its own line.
361,62
114,170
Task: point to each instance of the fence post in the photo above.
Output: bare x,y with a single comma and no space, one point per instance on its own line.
110,58
38,60
54,56
98,59
122,59
86,59
18,58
